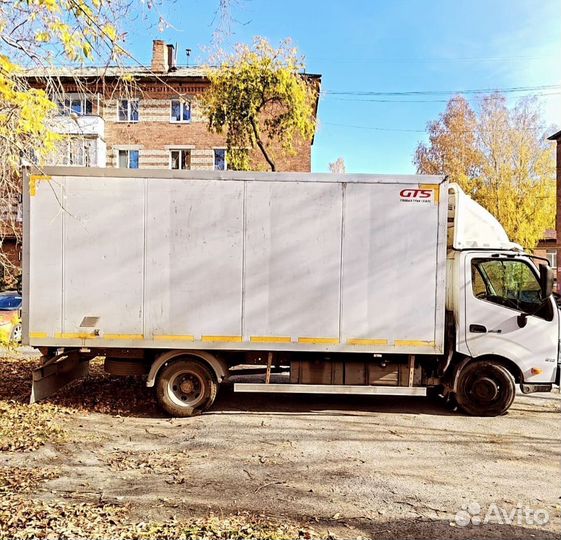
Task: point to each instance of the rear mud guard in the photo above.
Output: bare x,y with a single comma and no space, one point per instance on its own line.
56,373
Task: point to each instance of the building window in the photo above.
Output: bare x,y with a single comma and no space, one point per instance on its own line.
128,110
76,151
180,159
76,105
180,111
128,159
552,258
219,159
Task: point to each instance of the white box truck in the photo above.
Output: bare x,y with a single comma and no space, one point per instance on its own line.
324,283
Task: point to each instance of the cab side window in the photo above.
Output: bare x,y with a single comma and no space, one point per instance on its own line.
509,283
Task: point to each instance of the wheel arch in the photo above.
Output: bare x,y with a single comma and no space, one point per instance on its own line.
219,367
508,364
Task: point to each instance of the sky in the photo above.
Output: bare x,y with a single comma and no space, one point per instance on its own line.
381,46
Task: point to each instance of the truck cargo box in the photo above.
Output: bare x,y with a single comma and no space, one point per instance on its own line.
235,260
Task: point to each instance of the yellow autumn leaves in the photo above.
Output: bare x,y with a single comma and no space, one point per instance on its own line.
259,98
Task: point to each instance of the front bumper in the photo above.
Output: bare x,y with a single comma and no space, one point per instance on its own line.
529,388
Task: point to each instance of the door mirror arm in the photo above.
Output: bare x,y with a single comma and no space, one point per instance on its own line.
522,319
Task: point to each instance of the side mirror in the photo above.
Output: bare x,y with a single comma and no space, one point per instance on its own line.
546,280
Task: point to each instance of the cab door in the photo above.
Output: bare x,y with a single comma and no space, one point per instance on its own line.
498,290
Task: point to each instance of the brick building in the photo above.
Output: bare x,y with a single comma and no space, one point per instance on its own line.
152,121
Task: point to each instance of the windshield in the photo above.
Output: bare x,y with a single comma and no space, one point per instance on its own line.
10,302
511,283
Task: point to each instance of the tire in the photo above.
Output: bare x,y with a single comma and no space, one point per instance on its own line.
485,388
186,387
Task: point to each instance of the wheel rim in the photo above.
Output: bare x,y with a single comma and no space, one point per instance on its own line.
186,388
484,389
16,333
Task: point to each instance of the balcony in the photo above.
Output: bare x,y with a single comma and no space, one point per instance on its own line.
85,125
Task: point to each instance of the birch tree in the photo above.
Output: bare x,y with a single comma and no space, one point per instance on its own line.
260,99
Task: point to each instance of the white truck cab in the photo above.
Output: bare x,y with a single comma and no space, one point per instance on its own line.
502,306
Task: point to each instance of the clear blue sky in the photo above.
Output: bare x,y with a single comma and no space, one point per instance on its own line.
386,46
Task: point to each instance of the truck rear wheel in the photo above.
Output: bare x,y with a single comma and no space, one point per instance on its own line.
186,387
485,389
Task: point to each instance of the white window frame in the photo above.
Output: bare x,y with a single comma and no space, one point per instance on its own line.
128,151
181,109
129,109
61,103
171,150
551,256
214,159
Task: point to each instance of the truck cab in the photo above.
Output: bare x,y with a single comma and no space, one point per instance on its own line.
506,320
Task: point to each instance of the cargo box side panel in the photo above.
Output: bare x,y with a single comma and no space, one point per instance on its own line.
103,271
390,269
194,242
44,260
292,264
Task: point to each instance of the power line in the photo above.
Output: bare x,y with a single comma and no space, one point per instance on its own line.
405,130
373,128
514,89
384,100
412,60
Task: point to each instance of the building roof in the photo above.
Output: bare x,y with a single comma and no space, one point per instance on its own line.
110,71
97,72
555,136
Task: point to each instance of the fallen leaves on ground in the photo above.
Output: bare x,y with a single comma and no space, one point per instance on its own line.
24,518
23,479
107,394
27,427
157,462
97,392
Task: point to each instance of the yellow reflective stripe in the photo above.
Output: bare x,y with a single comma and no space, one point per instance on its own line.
38,335
174,338
122,336
74,335
33,183
270,339
318,340
227,339
413,343
435,189
361,341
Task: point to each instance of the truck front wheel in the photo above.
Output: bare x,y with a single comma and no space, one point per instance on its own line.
485,388
186,387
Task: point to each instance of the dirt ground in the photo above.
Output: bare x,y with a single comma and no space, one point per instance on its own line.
371,467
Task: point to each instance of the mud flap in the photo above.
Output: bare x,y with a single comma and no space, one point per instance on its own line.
56,373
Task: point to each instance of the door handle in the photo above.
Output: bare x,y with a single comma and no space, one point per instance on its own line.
480,329
477,329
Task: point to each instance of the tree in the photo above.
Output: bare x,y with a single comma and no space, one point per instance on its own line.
500,157
338,166
37,33
260,98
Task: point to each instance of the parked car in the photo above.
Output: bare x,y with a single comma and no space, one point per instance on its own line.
10,317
